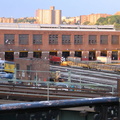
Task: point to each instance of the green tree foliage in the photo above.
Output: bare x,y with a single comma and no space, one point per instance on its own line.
110,20
117,26
86,23
25,20
114,19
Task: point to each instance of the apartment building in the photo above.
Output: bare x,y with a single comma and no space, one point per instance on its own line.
92,18
50,16
6,20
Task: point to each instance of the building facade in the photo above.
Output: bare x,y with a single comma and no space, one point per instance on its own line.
51,16
41,41
71,20
6,20
92,18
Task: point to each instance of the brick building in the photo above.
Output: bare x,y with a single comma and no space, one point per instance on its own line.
92,18
32,69
40,41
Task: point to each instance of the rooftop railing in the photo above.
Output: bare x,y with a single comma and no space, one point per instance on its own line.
20,26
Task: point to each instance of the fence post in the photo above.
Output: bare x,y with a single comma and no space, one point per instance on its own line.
69,76
14,75
36,79
118,86
48,91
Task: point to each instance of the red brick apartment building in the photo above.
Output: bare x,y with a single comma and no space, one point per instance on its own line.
40,41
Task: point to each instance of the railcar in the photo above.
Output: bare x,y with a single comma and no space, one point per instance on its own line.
94,65
6,69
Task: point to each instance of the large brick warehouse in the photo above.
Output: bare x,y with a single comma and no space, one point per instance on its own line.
40,41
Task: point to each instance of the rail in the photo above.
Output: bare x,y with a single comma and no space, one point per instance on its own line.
19,26
37,88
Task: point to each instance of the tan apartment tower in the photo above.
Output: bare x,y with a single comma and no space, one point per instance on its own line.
51,16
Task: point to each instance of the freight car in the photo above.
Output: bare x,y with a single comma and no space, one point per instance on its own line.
56,59
94,65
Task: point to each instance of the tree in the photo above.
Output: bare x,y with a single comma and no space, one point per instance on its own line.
86,23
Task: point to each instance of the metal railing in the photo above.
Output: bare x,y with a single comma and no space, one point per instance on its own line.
55,90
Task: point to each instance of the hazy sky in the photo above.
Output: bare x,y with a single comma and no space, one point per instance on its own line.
27,8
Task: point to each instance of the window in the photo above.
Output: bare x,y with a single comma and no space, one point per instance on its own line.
17,66
23,39
115,39
9,39
66,39
28,69
53,39
78,39
37,39
23,54
92,39
104,39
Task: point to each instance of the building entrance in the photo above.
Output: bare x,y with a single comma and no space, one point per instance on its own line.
92,55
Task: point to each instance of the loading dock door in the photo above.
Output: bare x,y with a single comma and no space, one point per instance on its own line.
37,54
92,55
103,53
53,53
9,56
114,55
65,54
78,54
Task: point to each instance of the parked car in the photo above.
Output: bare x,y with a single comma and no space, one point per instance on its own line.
61,86
6,75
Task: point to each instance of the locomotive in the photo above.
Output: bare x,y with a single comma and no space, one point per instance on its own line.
6,69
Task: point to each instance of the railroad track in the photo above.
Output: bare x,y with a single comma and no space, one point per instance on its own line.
87,76
30,93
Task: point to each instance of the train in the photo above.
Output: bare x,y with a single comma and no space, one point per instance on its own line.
54,59
94,65
6,69
101,64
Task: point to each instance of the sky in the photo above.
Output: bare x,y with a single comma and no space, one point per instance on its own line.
70,8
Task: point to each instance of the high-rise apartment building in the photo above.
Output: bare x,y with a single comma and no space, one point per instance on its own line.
51,16
92,18
6,20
